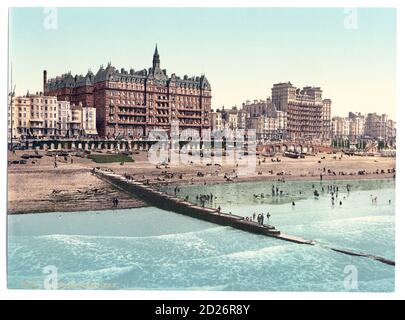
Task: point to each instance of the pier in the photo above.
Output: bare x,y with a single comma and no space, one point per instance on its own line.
172,203
169,202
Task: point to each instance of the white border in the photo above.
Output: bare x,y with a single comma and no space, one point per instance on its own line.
187,295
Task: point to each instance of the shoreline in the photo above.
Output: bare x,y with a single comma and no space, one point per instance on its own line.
141,204
40,187
286,178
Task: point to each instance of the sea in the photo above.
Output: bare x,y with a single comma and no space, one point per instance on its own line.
153,249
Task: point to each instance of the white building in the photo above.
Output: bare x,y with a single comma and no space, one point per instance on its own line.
43,116
64,114
89,121
340,127
216,121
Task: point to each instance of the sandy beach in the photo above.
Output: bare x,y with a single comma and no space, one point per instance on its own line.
40,187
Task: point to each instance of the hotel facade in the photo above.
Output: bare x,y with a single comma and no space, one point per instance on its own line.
131,103
308,115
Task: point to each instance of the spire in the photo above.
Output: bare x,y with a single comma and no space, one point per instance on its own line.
156,59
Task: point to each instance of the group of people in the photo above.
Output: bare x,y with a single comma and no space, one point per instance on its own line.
202,198
373,199
359,172
65,158
115,202
259,218
275,191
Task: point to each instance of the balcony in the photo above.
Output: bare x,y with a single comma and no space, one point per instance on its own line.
130,113
183,116
181,124
189,110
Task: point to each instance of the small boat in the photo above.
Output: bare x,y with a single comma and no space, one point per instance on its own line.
293,155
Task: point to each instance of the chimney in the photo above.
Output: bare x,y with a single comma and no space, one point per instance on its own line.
45,79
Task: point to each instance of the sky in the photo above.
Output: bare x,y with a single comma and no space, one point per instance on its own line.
351,55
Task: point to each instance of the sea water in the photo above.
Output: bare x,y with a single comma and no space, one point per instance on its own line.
149,248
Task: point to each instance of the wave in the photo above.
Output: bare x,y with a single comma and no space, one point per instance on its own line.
78,238
347,221
260,252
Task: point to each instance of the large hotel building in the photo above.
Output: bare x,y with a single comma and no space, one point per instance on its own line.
130,103
308,115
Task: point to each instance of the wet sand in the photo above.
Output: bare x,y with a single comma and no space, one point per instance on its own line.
39,187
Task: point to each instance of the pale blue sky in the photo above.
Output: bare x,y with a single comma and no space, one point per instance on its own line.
241,51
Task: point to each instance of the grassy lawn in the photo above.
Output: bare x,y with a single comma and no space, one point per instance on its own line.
107,158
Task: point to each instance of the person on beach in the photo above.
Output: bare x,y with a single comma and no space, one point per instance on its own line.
293,204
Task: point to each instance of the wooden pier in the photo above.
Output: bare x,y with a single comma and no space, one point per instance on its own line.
169,202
